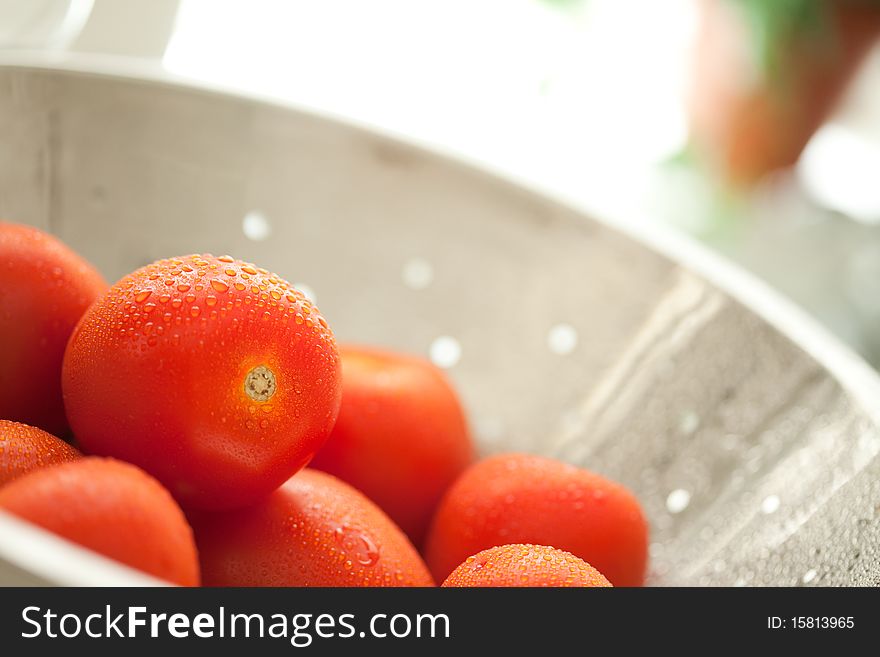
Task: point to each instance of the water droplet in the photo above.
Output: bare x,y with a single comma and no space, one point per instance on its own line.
226,258
689,423
678,500
445,351
247,269
417,274
220,286
142,296
211,301
562,339
229,272
362,548
240,287
770,504
255,226
194,311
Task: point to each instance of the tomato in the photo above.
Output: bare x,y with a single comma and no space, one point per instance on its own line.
44,290
525,565
216,377
24,448
401,436
314,531
112,508
520,498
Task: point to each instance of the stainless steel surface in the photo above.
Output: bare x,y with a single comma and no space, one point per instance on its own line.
750,437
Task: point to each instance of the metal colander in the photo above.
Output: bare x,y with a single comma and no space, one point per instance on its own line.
749,436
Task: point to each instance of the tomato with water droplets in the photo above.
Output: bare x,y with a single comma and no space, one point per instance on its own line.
525,565
112,508
313,531
222,401
401,437
24,448
521,498
44,289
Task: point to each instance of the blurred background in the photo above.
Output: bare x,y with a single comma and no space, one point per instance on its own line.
752,125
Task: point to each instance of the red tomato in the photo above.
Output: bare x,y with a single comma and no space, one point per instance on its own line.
401,437
24,448
525,565
112,508
529,499
215,376
44,290
313,531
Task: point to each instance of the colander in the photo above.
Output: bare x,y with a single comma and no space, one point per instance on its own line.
749,435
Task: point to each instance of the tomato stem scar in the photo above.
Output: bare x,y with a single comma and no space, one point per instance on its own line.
259,384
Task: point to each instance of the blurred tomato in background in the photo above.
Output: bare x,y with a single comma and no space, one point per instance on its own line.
767,75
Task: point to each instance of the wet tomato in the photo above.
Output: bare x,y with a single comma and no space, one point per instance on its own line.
112,508
525,565
215,376
44,290
24,448
520,498
314,531
401,437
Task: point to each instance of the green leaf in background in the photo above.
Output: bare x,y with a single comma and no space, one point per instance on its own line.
778,24
566,5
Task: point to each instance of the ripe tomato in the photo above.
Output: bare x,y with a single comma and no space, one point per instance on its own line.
401,436
24,448
44,290
313,531
529,499
215,376
112,508
525,565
